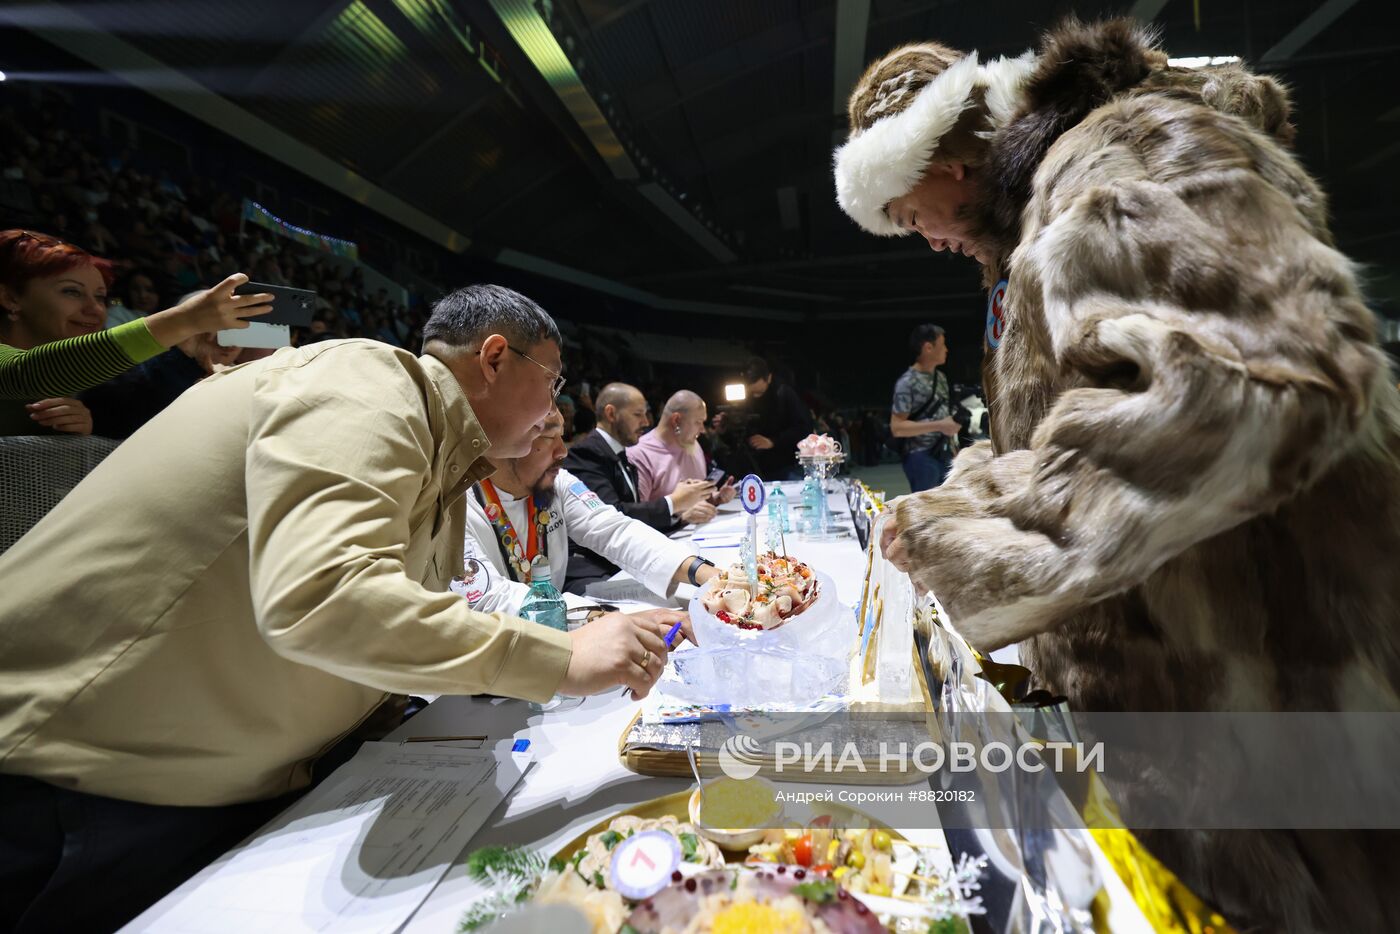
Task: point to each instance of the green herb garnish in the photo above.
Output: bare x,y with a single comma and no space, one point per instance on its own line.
502,859
512,872
599,881
610,838
819,891
690,847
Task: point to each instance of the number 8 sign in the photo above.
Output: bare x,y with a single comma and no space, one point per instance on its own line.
751,494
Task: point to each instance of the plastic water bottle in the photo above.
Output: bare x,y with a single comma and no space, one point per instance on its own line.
543,604
812,501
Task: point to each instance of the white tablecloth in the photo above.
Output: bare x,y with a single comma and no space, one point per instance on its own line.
577,780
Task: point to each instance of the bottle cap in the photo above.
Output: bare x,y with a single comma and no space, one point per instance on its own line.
540,570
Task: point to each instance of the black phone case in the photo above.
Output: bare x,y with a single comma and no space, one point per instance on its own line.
289,306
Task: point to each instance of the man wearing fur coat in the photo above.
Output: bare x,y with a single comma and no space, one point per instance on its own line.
1191,498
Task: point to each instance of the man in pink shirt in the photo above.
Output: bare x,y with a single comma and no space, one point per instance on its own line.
669,454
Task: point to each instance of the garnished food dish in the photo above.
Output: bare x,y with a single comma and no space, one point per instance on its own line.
785,587
773,901
860,861
816,880
590,862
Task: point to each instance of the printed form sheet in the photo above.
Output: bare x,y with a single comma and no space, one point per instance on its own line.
359,853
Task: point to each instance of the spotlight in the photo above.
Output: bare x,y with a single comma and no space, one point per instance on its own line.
734,392
2,76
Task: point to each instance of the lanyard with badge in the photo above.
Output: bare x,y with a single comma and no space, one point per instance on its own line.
518,555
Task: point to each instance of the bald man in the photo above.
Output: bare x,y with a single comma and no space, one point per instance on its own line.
599,461
670,453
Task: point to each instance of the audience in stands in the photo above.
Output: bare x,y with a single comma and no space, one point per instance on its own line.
170,231
172,238
52,337
133,296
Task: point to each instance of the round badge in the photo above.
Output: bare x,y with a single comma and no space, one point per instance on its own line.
996,315
642,864
493,512
751,494
475,580
544,516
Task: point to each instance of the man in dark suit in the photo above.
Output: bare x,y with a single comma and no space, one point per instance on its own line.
599,461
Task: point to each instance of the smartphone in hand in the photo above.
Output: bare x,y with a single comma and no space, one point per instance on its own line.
290,308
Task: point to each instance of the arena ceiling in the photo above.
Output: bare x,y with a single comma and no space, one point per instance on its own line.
682,147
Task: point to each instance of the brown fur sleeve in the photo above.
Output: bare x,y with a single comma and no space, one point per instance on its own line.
1217,355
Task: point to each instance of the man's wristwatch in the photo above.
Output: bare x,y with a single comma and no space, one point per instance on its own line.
696,563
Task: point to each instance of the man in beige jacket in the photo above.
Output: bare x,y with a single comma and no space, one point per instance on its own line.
243,582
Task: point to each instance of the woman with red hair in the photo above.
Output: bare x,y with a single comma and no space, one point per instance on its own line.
53,308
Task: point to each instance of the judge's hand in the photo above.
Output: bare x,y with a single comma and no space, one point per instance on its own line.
66,415
619,649
760,442
689,492
700,512
725,493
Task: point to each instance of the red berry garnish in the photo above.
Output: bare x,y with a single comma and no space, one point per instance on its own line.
799,873
690,885
782,870
676,876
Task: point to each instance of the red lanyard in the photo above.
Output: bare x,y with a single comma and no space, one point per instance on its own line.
518,555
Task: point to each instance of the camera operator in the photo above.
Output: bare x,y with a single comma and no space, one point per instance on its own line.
921,416
780,421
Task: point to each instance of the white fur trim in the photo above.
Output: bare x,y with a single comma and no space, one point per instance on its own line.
888,158
1004,78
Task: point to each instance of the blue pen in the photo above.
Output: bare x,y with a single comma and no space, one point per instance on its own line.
669,636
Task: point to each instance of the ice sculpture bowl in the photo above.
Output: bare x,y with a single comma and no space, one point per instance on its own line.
792,665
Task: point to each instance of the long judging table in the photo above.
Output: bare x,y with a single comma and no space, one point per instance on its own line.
576,779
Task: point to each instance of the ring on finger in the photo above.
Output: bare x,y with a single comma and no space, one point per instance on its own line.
645,663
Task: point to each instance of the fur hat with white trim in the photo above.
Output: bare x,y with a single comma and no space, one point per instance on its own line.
907,106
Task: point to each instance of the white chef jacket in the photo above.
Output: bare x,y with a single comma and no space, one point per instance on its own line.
578,514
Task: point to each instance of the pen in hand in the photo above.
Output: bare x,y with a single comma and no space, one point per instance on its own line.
670,640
